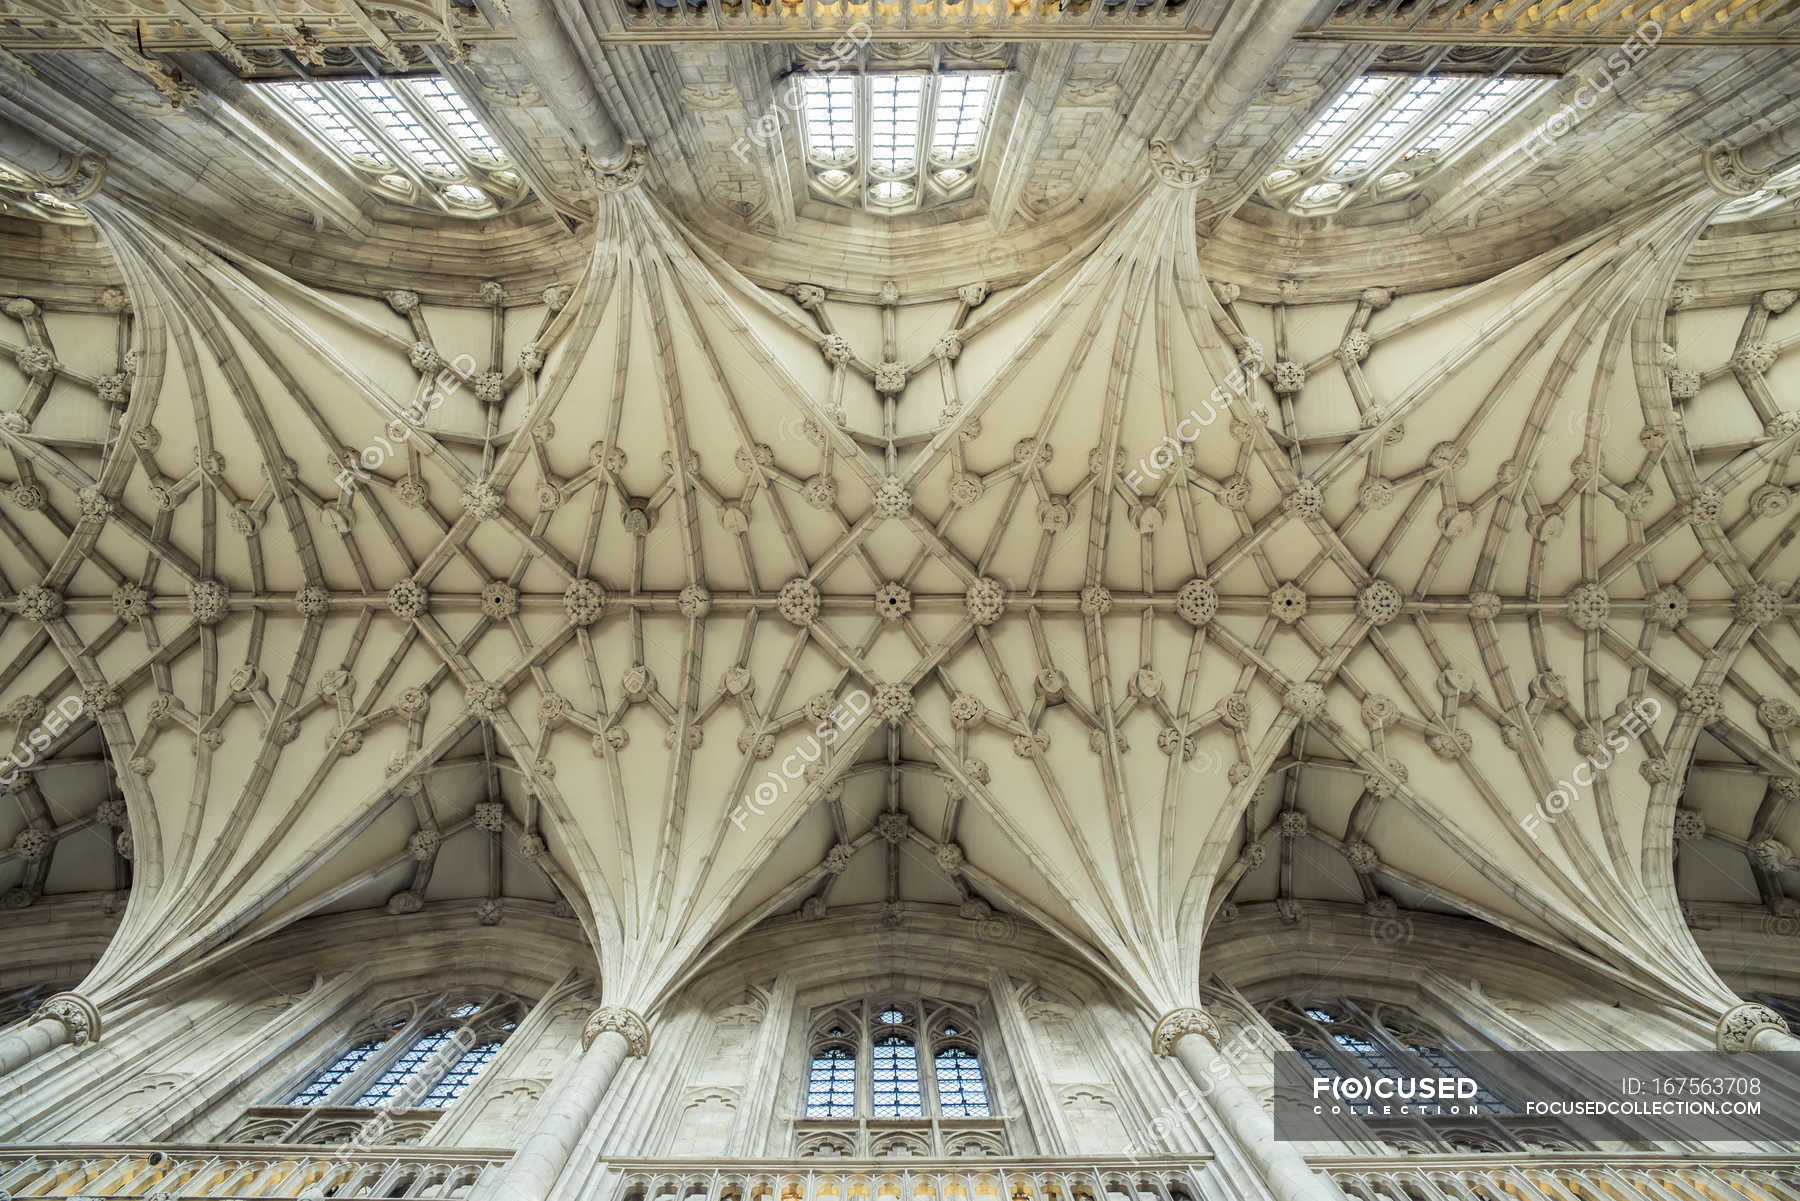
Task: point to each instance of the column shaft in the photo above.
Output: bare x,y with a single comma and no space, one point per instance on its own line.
1281,1165
560,1122
22,1044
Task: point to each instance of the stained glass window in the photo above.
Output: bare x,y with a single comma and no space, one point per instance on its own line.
457,117
311,102
413,140
418,143
1370,137
831,116
338,1071
1337,116
894,103
962,111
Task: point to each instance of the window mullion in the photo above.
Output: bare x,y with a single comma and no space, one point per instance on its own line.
865,103
423,114
372,1067
372,129
1414,133
922,141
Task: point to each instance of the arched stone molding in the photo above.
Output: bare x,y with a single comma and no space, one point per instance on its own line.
253,1021
1458,973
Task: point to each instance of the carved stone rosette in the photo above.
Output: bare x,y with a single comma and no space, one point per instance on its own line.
621,1021
75,1012
1742,1023
1178,1024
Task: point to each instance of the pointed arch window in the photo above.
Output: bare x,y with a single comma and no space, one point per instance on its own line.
894,1078
831,1084
415,1054
461,1075
1340,1036
922,1059
961,1085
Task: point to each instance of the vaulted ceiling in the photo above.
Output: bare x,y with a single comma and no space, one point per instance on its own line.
1108,555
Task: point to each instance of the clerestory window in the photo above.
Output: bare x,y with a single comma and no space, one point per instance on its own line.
414,1056
1385,132
895,141
919,1058
414,140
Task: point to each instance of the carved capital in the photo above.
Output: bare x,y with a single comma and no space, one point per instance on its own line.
75,1012
1726,172
1741,1024
1177,1024
621,1021
616,177
1176,171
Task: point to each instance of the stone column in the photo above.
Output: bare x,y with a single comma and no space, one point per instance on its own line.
1191,1036
1753,1027
64,1018
612,1035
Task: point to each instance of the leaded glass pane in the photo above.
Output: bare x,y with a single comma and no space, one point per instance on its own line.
895,1078
390,1083
831,1085
418,143
461,1075
961,1087
327,1081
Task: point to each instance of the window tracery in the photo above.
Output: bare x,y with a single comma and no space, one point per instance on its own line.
895,141
414,140
1339,1036
894,1069
420,1054
1385,132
